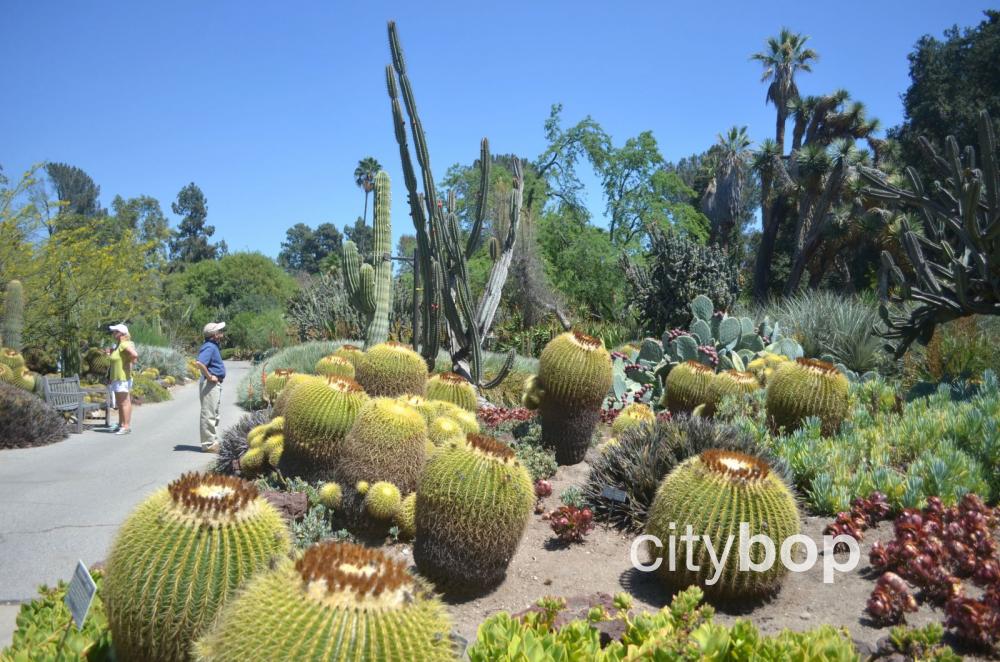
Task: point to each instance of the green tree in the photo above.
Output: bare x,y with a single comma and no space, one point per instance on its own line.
145,218
310,251
364,178
783,57
189,243
723,198
75,189
951,81
361,234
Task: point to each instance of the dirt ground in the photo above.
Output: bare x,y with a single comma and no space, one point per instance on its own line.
601,564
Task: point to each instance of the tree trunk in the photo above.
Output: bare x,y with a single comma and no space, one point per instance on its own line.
364,216
779,130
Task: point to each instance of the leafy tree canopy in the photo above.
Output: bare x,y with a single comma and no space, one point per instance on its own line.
190,241
75,189
361,235
310,251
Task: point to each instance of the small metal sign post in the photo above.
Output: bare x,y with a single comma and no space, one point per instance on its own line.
615,495
79,595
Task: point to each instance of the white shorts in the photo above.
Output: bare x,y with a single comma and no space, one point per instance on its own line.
120,387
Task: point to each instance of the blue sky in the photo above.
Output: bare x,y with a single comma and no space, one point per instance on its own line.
269,106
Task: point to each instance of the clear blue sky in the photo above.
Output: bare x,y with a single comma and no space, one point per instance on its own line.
269,106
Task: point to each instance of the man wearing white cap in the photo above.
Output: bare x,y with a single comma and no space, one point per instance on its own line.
213,373
122,357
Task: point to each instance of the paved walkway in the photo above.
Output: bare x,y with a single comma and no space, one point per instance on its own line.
64,502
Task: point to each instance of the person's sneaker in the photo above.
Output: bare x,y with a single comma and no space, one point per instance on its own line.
214,448
123,431
114,428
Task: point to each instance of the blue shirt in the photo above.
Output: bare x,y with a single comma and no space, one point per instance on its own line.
210,356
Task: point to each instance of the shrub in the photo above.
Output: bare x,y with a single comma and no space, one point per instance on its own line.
167,361
677,271
960,349
645,455
538,460
41,624
321,310
257,332
299,358
147,389
26,420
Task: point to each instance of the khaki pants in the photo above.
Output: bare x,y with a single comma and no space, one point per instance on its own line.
211,401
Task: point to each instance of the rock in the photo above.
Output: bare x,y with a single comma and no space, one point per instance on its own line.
865,650
577,608
291,505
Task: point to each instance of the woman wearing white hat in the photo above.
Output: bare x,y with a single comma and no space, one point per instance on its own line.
122,358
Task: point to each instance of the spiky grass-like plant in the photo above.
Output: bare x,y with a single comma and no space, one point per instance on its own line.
391,369
472,506
26,420
574,375
688,386
180,556
334,365
318,415
808,387
643,456
386,443
338,602
715,493
453,388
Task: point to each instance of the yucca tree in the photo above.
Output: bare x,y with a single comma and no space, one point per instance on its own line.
364,178
723,196
783,57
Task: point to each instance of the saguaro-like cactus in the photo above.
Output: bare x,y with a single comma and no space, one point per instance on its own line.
369,285
955,259
13,315
440,265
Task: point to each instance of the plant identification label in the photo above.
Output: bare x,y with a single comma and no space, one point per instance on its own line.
614,494
80,594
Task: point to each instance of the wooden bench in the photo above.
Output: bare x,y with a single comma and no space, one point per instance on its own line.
66,396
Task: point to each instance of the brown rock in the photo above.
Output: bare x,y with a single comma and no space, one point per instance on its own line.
291,505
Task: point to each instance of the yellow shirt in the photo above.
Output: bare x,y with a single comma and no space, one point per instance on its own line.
121,365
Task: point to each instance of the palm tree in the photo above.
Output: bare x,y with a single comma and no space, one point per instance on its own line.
364,177
723,197
785,55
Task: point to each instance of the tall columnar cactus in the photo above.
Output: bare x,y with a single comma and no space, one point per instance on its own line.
442,251
178,559
807,387
715,493
954,259
13,315
338,602
574,375
473,504
369,285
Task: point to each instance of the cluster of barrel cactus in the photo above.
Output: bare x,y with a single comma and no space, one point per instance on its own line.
14,372
265,446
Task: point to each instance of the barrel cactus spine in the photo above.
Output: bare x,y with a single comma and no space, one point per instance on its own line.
807,387
468,530
369,285
12,325
340,601
386,443
318,415
575,374
392,369
452,387
687,387
181,555
715,493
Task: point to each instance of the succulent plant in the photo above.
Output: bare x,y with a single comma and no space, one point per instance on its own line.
634,415
340,601
688,386
726,383
386,443
406,516
331,494
715,493
294,381
473,504
352,353
574,375
180,556
391,369
765,365
12,359
334,365
383,500
453,388
275,381
807,387
369,285
444,430
434,409
318,416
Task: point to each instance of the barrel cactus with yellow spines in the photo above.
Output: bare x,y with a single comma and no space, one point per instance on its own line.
318,415
729,382
294,381
714,493
391,369
383,500
351,353
444,430
340,601
406,516
688,385
334,365
574,376
452,387
12,359
765,365
434,409
180,556
275,381
807,387
331,494
472,506
632,416
386,443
